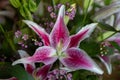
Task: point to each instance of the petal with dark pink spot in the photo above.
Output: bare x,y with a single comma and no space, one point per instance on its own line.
107,62
29,67
45,54
76,59
41,73
81,35
60,33
40,31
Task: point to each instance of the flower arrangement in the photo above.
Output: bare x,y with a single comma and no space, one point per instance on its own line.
59,40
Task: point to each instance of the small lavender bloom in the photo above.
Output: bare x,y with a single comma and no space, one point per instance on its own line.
52,15
72,14
38,43
69,76
51,77
56,71
26,46
18,34
50,9
51,24
25,37
59,5
63,72
59,75
23,45
66,13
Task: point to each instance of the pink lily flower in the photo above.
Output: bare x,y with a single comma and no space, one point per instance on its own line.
107,60
29,67
59,45
39,73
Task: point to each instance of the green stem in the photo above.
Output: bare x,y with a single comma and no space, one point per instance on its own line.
85,16
24,1
8,40
108,36
85,12
53,2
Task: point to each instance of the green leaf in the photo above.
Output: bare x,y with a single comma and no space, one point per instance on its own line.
106,11
37,2
32,5
66,19
106,27
7,70
87,4
15,3
80,74
8,38
115,45
105,35
107,2
25,12
92,49
92,77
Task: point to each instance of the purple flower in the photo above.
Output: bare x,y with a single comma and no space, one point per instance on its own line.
59,5
18,34
52,15
59,45
38,43
51,24
25,37
50,9
106,60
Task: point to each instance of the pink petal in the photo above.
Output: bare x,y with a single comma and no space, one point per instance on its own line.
40,31
76,59
60,34
115,38
107,62
41,73
28,67
82,34
12,78
43,54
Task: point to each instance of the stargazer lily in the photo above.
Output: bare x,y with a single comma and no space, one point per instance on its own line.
107,61
39,73
59,45
29,67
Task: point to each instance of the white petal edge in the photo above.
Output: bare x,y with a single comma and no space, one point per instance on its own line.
108,66
23,53
90,28
34,24
61,11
